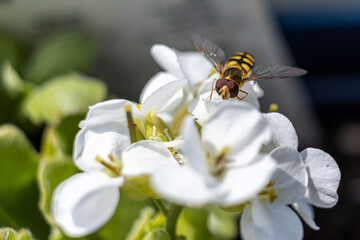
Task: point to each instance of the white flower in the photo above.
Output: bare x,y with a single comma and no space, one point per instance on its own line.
104,144
191,66
223,164
267,216
105,129
322,171
85,202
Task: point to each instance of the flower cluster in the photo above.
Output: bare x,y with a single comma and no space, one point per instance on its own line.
183,149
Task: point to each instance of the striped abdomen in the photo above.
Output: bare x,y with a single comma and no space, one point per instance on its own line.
242,60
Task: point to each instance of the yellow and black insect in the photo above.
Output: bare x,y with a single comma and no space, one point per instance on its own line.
238,69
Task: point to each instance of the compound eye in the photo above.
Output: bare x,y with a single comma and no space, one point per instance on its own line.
220,83
233,89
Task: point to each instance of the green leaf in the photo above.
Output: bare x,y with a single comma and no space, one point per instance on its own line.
59,54
7,234
59,140
11,80
18,187
67,131
52,171
192,224
63,96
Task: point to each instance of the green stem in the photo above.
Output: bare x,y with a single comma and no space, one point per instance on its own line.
161,206
171,220
131,124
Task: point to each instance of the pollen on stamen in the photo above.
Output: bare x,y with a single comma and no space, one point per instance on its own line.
109,165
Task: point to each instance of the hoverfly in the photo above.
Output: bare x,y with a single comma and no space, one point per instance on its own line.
238,69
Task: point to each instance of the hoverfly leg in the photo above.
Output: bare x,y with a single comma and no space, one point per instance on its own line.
240,99
212,88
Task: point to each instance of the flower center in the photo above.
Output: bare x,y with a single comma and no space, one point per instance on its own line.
218,163
115,166
268,194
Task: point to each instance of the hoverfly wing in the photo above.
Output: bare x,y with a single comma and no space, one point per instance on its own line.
274,71
212,52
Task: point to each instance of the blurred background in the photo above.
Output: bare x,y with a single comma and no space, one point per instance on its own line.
321,36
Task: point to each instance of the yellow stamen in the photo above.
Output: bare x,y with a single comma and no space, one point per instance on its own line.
273,107
108,165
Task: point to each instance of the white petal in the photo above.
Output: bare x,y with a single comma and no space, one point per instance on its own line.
306,212
240,127
266,221
245,182
185,186
166,117
324,178
206,85
167,59
290,176
198,110
85,202
192,148
158,101
99,140
157,81
144,157
283,131
252,97
257,89
111,110
194,66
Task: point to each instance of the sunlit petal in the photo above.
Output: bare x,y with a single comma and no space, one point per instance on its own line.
167,59
239,127
324,178
111,110
158,100
186,186
145,157
192,148
290,176
306,212
245,182
99,140
85,202
283,132
266,221
157,81
194,66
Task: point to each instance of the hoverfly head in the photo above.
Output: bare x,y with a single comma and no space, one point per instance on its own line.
226,88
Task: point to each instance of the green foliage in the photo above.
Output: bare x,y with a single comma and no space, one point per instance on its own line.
18,164
7,234
60,54
52,171
224,225
11,234
148,225
63,96
11,81
192,224
11,49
